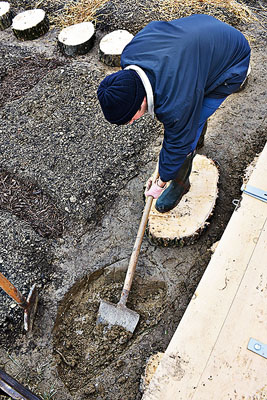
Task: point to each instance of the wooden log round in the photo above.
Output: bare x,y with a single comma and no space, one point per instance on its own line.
112,45
76,39
151,367
30,24
6,15
189,218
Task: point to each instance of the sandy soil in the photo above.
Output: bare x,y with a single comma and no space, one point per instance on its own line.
58,154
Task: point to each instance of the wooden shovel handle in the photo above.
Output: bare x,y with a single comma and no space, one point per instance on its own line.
135,253
13,292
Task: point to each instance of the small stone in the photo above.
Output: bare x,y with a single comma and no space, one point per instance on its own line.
123,340
119,363
73,199
122,379
90,389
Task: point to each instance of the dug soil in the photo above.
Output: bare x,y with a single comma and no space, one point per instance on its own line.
71,199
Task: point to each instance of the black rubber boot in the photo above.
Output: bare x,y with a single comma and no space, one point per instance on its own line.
177,188
200,142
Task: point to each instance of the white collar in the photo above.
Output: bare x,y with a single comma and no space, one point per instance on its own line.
147,86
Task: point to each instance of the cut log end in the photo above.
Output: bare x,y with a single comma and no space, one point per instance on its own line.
6,15
184,224
111,46
77,39
150,369
30,25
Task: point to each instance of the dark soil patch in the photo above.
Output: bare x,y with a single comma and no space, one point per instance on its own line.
29,203
50,6
23,74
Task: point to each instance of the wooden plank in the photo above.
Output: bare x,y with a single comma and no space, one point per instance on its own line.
197,350
238,372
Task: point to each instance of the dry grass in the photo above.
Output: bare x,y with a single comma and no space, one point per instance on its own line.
88,10
76,12
218,8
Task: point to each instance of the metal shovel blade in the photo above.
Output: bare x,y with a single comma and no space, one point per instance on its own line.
30,310
117,314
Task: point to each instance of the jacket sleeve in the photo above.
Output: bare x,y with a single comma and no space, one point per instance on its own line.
180,129
172,155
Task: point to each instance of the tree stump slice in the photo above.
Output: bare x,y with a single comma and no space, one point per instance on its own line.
77,39
111,46
189,218
6,15
151,367
30,25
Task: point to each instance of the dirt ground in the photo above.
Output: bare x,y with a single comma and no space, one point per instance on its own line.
71,198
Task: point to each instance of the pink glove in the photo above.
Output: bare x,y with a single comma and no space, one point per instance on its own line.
154,190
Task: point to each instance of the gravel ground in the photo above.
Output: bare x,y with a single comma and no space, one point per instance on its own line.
53,138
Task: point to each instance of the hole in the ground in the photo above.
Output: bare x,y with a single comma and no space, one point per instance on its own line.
83,349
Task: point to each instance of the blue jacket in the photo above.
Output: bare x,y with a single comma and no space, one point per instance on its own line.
185,60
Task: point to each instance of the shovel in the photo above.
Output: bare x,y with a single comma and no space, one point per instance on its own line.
14,389
119,314
29,306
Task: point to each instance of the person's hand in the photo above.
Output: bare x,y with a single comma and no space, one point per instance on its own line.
154,189
149,184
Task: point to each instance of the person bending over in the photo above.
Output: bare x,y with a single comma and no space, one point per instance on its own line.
181,71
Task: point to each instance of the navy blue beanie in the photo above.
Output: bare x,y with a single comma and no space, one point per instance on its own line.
121,95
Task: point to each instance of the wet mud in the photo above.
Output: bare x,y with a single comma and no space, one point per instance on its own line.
84,349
